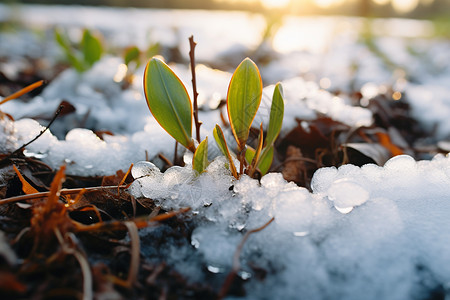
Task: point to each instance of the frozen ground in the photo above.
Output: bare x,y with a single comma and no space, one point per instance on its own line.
372,232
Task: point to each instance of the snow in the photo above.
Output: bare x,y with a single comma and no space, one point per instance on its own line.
372,232
391,237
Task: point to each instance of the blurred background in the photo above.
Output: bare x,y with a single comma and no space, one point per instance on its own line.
421,9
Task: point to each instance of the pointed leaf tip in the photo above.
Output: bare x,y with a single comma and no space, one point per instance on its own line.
223,147
169,101
243,99
276,115
200,159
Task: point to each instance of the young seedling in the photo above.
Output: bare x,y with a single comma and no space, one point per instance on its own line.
200,159
84,55
169,102
243,100
171,106
273,130
133,58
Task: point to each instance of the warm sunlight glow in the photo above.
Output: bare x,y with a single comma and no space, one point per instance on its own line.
404,6
381,2
275,3
302,35
324,3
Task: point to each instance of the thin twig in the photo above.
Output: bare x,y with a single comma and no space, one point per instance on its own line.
236,260
175,154
62,192
192,45
165,159
58,111
141,222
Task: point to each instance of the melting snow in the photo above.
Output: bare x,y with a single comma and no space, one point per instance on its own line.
372,231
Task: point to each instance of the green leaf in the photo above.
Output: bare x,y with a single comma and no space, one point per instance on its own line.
256,157
169,101
62,40
243,100
132,54
91,47
69,52
153,50
265,160
276,116
200,159
222,144
249,154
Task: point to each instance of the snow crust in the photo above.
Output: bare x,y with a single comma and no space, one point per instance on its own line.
371,230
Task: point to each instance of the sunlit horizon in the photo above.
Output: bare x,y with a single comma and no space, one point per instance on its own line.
399,6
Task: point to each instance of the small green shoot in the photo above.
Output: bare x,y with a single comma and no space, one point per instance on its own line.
169,102
91,48
200,159
255,160
171,106
273,130
84,55
132,54
222,144
276,115
243,99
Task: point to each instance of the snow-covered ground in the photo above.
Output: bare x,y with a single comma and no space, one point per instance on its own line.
370,232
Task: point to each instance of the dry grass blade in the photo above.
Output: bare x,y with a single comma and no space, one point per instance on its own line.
124,178
236,260
119,225
82,261
42,195
26,187
135,253
23,91
49,216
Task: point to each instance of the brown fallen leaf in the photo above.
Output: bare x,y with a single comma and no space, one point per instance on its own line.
294,167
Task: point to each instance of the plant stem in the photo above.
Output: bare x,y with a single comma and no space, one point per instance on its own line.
192,45
241,157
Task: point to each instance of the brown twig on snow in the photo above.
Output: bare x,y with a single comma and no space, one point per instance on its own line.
35,138
165,159
192,45
236,261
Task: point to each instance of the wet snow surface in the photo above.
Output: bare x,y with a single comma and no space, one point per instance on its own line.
370,232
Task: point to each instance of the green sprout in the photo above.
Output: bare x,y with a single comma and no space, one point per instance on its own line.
133,58
84,55
170,104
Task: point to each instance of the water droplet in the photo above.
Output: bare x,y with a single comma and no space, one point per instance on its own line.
33,154
301,233
244,275
195,243
344,210
215,269
346,194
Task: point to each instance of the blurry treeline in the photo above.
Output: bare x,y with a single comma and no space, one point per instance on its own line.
425,9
